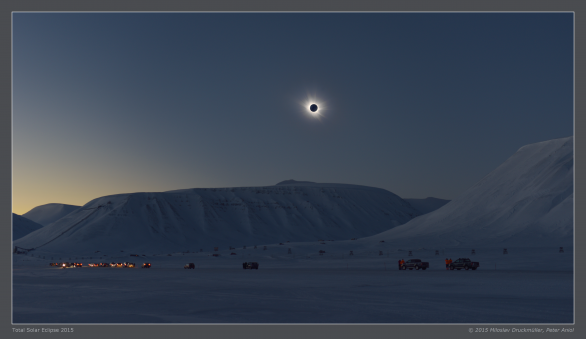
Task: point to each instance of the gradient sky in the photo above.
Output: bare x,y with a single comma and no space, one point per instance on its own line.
420,104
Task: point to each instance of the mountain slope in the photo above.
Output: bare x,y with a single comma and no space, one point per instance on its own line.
202,218
526,201
22,226
424,206
48,213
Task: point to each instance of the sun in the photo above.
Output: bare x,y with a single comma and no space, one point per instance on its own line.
313,106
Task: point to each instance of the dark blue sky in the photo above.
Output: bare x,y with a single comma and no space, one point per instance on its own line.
421,104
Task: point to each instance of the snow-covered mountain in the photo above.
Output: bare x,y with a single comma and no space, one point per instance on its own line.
424,206
48,213
22,226
526,201
191,219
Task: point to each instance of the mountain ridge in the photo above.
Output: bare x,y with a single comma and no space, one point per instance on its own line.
22,226
49,213
527,200
202,217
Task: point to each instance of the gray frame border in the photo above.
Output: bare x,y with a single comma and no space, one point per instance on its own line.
277,330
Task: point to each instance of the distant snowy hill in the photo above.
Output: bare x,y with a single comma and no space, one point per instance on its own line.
527,201
22,226
424,206
295,182
191,219
316,184
48,213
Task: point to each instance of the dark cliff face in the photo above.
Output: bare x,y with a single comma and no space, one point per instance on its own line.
247,215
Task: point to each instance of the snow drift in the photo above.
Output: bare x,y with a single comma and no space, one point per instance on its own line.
527,201
191,219
22,226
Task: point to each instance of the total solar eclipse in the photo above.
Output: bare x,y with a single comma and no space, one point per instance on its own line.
313,106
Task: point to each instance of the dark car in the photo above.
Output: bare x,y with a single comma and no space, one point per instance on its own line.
464,263
250,265
189,266
146,265
415,264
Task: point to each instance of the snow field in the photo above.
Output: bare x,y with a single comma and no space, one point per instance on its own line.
529,285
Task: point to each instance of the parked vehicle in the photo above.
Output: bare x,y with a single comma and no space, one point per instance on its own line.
415,264
464,263
189,266
251,265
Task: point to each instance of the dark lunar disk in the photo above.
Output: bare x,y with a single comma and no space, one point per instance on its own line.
313,108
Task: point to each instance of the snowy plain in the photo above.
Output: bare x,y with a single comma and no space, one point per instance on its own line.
527,285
